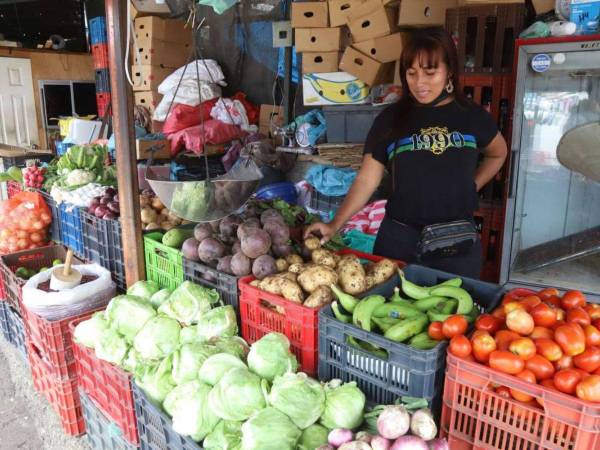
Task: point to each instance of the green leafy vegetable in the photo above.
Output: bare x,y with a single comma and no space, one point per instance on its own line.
218,322
270,356
155,380
269,429
143,289
89,331
215,366
111,347
299,397
128,314
189,302
237,395
158,338
188,359
344,405
159,297
313,437
227,435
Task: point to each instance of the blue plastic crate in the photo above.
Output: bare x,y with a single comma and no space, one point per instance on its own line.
62,147
4,327
54,229
71,231
16,329
102,80
98,30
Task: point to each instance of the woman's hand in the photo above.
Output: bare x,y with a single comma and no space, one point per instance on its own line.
323,230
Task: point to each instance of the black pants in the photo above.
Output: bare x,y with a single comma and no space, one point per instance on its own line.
398,241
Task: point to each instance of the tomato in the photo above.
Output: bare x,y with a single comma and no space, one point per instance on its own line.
540,366
572,299
581,372
597,371
589,360
543,315
593,310
523,347
454,325
565,362
548,349
506,362
520,322
566,380
526,375
548,292
578,315
553,300
588,389
460,346
499,313
530,302
504,338
512,306
596,323
503,392
571,338
557,324
549,383
435,331
483,344
592,335
541,332
487,322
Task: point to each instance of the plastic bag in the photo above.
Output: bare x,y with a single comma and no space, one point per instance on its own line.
24,221
69,302
219,6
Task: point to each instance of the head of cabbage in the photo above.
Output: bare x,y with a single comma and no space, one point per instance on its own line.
158,338
218,322
143,289
344,405
237,395
215,366
89,331
313,437
128,314
270,356
227,435
188,359
159,297
234,345
269,429
189,302
111,347
299,397
155,380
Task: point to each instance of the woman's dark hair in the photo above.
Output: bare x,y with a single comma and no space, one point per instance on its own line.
430,46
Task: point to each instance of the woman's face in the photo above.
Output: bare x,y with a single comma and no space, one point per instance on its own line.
426,83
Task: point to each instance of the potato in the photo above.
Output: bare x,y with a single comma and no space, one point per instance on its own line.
282,265
294,259
157,204
291,290
322,296
152,227
144,201
167,225
383,271
323,257
148,215
296,268
313,277
289,275
353,281
312,243
370,282
271,284
346,259
255,283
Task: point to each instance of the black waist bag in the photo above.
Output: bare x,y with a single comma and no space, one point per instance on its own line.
446,239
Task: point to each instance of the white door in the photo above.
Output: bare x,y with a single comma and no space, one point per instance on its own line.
18,119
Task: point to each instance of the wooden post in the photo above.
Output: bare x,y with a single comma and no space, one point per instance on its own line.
123,125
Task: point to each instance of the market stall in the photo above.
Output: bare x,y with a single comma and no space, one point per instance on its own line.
155,272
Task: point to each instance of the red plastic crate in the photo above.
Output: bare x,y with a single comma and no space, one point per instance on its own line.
109,386
61,394
53,340
100,55
299,323
13,188
475,417
103,101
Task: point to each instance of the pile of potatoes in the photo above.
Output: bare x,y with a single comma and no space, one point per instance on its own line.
155,215
308,283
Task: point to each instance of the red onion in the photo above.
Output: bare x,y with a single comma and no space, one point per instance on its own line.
393,422
409,443
380,443
339,436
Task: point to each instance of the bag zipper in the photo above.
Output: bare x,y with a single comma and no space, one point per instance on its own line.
446,237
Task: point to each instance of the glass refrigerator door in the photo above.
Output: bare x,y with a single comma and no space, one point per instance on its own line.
552,230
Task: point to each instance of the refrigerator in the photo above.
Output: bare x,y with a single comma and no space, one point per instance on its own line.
552,221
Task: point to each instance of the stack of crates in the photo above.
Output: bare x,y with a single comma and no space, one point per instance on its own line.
98,41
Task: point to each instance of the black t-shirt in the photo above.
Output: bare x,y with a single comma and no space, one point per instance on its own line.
431,154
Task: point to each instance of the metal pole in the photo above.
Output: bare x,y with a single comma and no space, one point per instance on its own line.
123,125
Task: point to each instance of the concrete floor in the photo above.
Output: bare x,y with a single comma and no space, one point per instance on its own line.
27,421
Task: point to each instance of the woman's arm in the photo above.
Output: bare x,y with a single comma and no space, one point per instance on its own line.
367,181
494,156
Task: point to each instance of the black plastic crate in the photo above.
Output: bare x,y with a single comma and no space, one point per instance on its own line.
349,124
101,432
226,285
4,327
102,80
194,169
24,161
102,244
406,371
17,331
55,212
155,427
325,203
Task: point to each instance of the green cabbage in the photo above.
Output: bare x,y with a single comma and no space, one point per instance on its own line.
191,200
227,435
270,356
128,314
299,397
216,366
344,405
237,395
111,347
158,338
131,361
188,335
269,429
218,322
160,297
313,437
188,359
234,345
155,380
189,302
89,331
188,407
143,289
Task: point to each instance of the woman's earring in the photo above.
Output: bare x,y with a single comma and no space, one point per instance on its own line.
450,87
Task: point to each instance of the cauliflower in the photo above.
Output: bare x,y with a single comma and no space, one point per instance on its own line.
80,177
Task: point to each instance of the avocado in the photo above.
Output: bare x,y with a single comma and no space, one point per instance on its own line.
56,262
22,272
175,237
43,269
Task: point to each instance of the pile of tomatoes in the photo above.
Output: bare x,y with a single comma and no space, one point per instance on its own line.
542,338
23,225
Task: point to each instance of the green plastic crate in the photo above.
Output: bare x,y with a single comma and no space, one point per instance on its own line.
357,240
163,264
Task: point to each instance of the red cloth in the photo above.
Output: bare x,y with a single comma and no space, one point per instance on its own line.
185,116
252,111
368,220
211,132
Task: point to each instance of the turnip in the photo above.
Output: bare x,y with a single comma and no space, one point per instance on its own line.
264,266
409,443
190,249
438,444
423,425
210,250
339,436
246,226
236,247
278,231
363,436
271,214
380,443
240,264
281,251
393,422
355,445
224,264
256,242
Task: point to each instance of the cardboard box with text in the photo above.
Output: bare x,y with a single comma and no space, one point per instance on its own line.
365,68
318,39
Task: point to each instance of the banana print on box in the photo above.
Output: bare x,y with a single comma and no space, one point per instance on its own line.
434,139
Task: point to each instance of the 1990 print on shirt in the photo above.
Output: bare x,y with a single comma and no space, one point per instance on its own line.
432,155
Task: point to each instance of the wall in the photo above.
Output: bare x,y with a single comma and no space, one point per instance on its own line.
52,65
